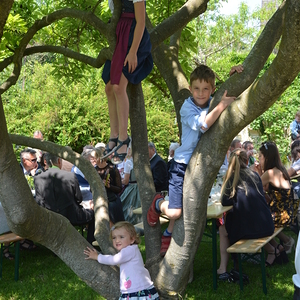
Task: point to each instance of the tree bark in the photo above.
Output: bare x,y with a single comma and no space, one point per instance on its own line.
5,6
171,273
199,177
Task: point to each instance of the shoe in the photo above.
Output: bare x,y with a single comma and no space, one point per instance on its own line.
27,245
153,214
289,246
277,258
236,276
165,243
119,157
8,255
283,256
225,277
109,151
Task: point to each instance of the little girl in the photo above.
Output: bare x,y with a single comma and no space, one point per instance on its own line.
135,281
131,61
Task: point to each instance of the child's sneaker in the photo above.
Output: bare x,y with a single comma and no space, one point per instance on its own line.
153,214
165,243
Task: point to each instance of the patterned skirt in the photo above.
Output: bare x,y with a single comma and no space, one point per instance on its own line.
113,69
283,206
146,294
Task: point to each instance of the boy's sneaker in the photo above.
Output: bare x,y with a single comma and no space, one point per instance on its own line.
165,243
153,214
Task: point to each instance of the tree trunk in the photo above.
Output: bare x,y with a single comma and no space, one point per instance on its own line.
5,6
171,273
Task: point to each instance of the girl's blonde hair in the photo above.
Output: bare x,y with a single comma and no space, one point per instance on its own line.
129,228
237,172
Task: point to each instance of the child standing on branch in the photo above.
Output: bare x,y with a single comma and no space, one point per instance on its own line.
131,62
135,281
195,121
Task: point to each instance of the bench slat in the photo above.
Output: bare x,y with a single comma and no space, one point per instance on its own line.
9,238
252,245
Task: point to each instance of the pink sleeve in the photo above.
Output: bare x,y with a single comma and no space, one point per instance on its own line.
123,256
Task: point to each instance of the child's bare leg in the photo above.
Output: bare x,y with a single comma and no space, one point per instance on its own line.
224,244
113,115
171,226
171,213
122,105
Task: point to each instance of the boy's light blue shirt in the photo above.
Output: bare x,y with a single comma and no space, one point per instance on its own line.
192,122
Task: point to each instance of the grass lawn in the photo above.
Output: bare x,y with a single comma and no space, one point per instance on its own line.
44,276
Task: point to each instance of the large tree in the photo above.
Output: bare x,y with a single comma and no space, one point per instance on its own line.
170,274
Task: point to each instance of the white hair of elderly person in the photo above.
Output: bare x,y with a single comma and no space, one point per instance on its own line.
172,149
100,145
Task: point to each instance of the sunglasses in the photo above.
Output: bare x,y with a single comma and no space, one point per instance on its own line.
32,160
266,144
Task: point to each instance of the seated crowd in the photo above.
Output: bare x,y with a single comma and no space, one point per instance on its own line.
260,192
68,193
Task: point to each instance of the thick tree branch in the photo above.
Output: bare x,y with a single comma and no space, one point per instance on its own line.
189,229
166,60
190,10
257,57
5,6
97,187
107,30
55,232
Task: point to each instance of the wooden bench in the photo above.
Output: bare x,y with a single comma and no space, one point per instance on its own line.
253,246
10,237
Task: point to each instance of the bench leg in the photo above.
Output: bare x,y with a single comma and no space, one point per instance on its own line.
240,271
263,269
17,259
1,259
214,251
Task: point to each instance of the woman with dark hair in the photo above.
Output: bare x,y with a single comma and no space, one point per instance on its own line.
278,191
250,216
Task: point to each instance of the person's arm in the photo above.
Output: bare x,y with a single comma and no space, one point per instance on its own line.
126,178
77,192
225,200
266,178
212,116
128,166
123,256
160,173
115,184
38,193
291,172
131,58
256,168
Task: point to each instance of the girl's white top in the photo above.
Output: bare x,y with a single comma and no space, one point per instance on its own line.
134,276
